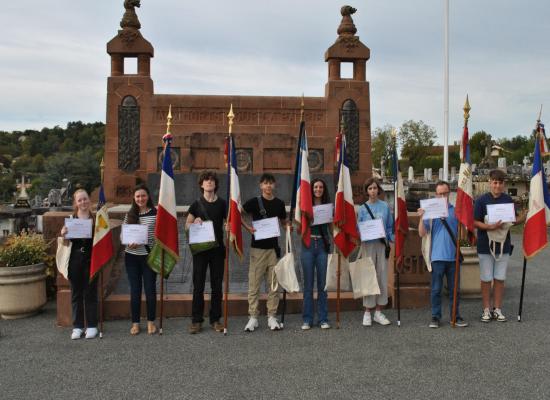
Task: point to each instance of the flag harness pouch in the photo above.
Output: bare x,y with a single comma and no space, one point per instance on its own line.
446,225
263,213
197,248
387,248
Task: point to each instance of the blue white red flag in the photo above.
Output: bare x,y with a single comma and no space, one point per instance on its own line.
303,211
535,237
401,225
464,193
234,218
166,227
345,232
102,250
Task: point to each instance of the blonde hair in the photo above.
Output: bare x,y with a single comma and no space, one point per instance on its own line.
75,207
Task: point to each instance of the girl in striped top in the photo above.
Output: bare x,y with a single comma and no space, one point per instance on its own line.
139,273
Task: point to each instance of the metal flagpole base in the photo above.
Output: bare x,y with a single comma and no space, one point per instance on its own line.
101,335
160,331
398,323
519,318
224,331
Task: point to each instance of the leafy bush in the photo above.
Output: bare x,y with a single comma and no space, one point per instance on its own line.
24,249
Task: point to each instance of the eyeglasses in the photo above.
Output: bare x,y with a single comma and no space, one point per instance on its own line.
442,194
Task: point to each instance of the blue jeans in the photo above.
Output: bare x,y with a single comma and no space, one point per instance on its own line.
315,257
140,275
439,269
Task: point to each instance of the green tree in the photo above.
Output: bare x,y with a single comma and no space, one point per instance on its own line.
415,137
382,147
478,142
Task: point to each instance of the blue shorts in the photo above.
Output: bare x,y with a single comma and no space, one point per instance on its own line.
490,269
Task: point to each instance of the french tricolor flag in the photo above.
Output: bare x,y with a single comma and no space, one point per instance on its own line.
303,213
346,236
235,207
165,252
464,193
102,249
535,237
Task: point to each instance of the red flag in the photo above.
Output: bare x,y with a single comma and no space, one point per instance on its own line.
346,236
464,194
102,249
400,211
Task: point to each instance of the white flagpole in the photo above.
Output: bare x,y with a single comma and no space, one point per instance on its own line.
446,98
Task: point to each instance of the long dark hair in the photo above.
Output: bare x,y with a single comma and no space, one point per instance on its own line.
133,213
325,198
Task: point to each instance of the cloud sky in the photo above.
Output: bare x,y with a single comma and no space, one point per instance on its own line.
54,62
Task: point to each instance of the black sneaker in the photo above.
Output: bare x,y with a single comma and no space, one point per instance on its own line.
461,323
434,323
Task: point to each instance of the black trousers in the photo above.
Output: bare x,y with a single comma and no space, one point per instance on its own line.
140,275
83,292
214,259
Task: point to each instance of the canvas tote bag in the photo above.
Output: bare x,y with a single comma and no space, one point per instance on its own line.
332,270
62,256
284,269
363,276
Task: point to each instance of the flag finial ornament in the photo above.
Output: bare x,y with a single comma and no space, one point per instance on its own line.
230,117
102,169
466,109
302,108
168,135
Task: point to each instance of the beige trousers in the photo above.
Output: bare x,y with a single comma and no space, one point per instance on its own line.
262,264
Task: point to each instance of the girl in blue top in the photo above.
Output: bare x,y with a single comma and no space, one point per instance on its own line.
376,250
315,257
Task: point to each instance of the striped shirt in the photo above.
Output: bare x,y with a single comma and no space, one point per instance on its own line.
148,218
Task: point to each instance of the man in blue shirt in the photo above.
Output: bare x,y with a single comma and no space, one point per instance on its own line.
442,255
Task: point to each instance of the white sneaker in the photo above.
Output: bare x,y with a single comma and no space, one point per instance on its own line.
367,320
325,325
273,324
251,325
91,333
306,326
381,318
498,315
76,334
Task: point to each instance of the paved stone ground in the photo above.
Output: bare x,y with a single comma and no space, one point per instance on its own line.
484,361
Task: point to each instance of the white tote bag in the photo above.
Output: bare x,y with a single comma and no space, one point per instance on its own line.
285,270
62,256
332,270
363,276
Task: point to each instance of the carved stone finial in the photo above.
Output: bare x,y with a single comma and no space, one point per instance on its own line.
130,18
347,27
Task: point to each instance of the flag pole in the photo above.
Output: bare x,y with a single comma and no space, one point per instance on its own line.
230,117
168,125
466,109
395,264
522,288
101,316
338,269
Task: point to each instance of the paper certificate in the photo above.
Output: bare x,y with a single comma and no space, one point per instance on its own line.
434,208
266,228
78,228
322,214
504,212
371,229
134,234
201,233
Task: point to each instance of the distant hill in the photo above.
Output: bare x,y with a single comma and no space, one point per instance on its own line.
48,156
